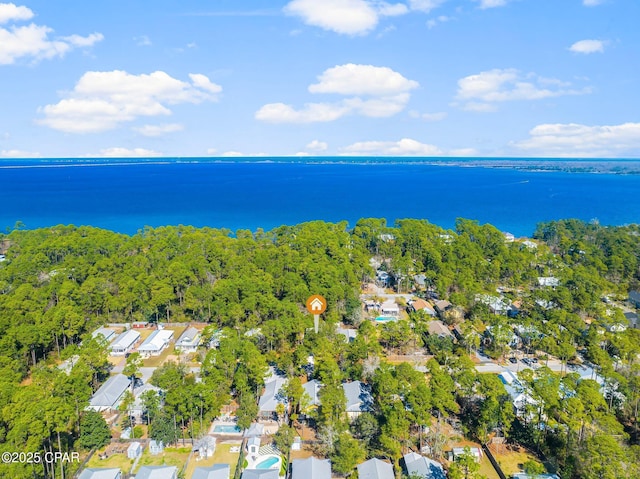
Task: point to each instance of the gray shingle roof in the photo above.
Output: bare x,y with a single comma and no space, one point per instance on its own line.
100,473
426,468
375,469
157,472
358,396
261,474
311,468
217,471
110,392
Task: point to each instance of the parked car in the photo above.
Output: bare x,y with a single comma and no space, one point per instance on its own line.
513,360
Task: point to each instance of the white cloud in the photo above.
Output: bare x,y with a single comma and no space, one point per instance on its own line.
592,3
117,152
33,41
464,152
351,79
385,93
576,140
484,4
11,12
588,46
438,116
19,154
317,145
348,17
403,147
158,130
480,92
143,41
102,101
433,22
232,154
425,5
84,42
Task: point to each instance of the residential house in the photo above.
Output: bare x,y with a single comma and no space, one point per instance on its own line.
423,467
101,473
134,450
359,398
297,443
124,343
261,474
383,278
107,334
311,389
375,469
255,430
421,305
110,393
137,408
634,298
548,281
496,304
519,397
390,308
157,472
509,237
420,281
530,244
217,471
371,306
438,328
311,468
476,452
271,397
633,320
189,341
442,307
350,334
156,342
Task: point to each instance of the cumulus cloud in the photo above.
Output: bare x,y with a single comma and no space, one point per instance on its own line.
19,154
317,145
588,46
484,4
12,12
348,17
102,101
372,91
158,130
403,147
34,41
480,92
576,140
117,152
425,5
433,22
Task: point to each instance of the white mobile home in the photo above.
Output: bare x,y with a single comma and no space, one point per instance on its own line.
124,343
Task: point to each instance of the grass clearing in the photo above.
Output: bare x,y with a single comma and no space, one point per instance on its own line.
222,455
171,456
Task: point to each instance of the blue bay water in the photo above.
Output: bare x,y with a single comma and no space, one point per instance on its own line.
126,196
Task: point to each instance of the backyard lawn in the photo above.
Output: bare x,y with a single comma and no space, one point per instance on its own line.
222,455
170,457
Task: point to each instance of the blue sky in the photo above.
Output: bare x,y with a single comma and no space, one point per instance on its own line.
320,77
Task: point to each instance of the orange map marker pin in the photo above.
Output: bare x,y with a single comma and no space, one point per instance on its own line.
316,305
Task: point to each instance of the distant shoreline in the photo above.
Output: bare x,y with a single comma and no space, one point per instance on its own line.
572,165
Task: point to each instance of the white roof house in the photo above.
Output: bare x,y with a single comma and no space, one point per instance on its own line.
157,472
134,450
476,452
375,469
312,388
100,473
390,308
156,342
138,407
359,398
548,281
217,471
311,468
189,340
124,343
519,397
110,393
108,334
423,467
255,430
271,397
350,334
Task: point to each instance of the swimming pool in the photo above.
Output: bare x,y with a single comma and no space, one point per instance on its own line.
385,319
226,429
268,463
